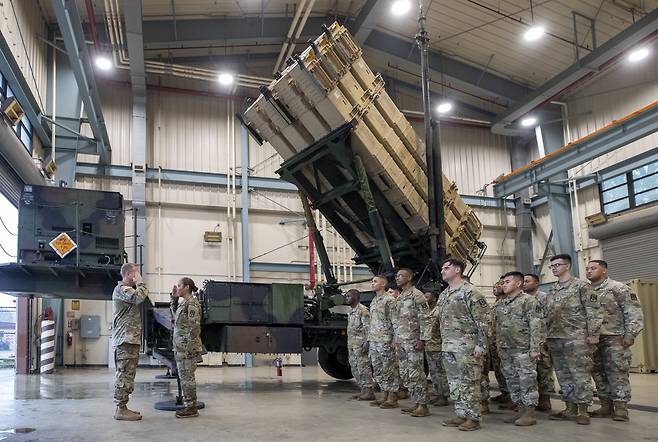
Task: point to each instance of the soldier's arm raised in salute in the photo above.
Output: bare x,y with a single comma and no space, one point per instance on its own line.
134,295
593,312
633,316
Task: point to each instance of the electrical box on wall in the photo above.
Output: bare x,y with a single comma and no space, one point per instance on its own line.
212,236
90,326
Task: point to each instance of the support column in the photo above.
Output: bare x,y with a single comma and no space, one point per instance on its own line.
244,211
523,216
559,199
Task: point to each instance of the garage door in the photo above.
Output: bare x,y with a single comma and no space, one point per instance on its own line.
632,255
10,184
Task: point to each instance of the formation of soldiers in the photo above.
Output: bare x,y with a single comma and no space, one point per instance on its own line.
129,293
581,330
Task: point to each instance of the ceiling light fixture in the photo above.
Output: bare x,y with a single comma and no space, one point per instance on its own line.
444,107
400,7
638,54
534,33
103,63
528,121
225,79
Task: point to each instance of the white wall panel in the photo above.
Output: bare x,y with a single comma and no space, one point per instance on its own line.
23,26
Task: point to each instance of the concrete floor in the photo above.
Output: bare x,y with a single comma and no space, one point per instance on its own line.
253,405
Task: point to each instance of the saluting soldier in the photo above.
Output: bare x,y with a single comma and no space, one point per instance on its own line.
188,348
129,293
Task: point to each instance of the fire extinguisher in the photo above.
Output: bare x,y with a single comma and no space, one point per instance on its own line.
278,363
69,338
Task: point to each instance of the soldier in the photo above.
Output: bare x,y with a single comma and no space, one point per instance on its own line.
186,312
622,322
358,322
412,333
380,339
463,320
545,379
573,320
393,290
492,360
520,333
129,293
433,354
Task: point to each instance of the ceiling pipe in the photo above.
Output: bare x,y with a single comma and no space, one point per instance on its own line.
91,17
300,28
291,31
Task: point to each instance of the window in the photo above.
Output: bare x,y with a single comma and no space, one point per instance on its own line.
630,190
24,128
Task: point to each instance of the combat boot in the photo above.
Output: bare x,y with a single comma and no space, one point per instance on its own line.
358,395
582,418
454,422
367,395
484,407
527,417
410,409
187,412
512,418
123,414
378,402
441,401
469,425
391,401
568,413
544,403
604,411
620,413
420,411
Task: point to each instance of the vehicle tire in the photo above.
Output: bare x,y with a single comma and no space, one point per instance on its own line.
335,364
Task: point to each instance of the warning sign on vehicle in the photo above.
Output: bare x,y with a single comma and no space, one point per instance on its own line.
63,244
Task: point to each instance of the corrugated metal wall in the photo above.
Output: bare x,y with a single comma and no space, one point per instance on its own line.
23,26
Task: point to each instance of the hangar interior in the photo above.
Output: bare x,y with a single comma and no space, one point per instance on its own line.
550,139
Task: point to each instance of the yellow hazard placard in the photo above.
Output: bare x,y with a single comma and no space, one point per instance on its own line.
63,244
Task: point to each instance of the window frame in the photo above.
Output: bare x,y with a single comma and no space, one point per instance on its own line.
20,128
631,195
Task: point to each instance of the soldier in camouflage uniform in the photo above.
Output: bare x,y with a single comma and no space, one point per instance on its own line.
622,322
492,361
545,379
433,354
186,312
413,331
393,290
380,341
463,316
573,321
129,293
520,332
358,323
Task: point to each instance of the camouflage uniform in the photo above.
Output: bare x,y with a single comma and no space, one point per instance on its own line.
491,360
463,323
572,313
187,343
412,326
622,318
380,337
434,356
358,322
395,320
545,379
126,337
520,330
